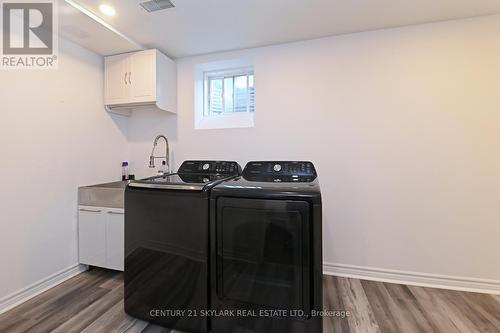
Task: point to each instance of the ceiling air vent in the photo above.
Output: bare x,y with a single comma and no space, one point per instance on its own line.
155,5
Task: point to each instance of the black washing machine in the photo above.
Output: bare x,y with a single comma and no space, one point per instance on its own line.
167,244
266,250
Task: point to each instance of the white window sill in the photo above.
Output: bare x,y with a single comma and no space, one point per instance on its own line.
237,120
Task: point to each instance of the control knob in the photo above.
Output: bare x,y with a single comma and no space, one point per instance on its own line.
277,168
206,166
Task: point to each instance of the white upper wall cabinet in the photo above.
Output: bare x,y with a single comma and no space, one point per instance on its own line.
140,80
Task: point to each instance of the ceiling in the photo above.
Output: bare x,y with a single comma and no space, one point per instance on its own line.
204,26
84,30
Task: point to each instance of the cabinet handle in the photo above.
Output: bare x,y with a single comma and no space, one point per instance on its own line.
129,77
125,78
116,213
90,210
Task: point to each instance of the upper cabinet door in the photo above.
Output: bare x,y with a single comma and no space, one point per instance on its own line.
143,77
117,80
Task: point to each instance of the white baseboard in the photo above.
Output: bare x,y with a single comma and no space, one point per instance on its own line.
350,271
413,278
18,297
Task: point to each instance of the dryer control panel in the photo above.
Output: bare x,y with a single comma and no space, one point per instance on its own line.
210,167
281,169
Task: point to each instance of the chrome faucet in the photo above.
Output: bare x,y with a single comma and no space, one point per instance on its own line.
152,157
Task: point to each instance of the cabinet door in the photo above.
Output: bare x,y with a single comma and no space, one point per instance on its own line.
115,239
143,76
117,85
91,237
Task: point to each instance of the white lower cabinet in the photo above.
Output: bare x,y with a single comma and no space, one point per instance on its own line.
101,237
115,240
91,236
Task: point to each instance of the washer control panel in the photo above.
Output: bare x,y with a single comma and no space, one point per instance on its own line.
210,167
281,169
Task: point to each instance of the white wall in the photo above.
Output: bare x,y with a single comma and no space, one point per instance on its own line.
54,136
403,126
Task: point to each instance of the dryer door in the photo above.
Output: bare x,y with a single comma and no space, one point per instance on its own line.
263,254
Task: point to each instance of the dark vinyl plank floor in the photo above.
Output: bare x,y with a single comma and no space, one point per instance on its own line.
92,302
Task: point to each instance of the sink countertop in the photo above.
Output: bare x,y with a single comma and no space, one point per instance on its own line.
116,185
110,195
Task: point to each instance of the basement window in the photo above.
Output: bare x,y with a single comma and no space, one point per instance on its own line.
225,95
229,92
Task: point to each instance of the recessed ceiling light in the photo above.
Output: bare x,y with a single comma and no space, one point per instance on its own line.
107,10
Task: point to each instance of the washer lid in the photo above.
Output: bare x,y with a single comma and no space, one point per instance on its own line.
193,176
177,181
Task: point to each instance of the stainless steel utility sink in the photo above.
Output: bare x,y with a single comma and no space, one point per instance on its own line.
103,195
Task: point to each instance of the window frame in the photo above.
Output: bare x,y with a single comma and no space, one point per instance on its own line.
223,74
235,120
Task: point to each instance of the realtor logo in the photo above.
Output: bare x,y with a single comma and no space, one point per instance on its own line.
29,39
